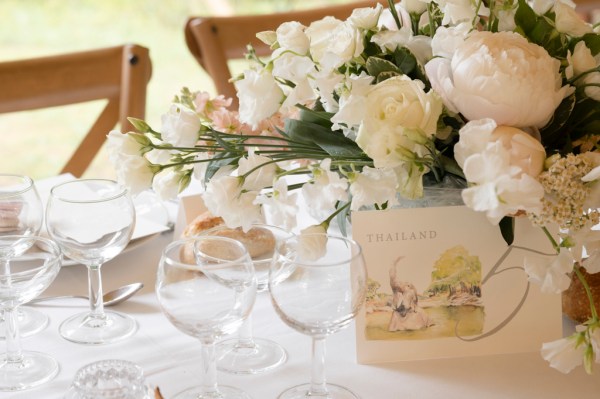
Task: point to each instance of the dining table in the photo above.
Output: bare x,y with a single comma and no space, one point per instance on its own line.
171,360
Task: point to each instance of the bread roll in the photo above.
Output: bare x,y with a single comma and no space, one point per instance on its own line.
259,241
204,221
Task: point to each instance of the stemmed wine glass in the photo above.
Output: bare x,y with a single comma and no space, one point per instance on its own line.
21,213
246,354
317,284
92,220
30,272
207,300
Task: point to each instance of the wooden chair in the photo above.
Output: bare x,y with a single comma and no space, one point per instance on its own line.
213,41
117,74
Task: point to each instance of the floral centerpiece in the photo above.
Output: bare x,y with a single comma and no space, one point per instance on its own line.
504,96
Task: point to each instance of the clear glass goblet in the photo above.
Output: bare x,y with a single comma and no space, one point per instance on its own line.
21,213
92,220
207,300
28,274
246,354
317,285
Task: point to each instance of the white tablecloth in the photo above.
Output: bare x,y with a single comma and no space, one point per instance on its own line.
170,358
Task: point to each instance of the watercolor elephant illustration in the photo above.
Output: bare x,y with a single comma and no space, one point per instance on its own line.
406,314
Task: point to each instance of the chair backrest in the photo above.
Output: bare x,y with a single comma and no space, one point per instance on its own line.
213,41
117,74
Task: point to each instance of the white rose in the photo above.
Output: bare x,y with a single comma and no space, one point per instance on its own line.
291,36
367,17
500,76
395,107
260,97
259,178
180,126
343,43
569,22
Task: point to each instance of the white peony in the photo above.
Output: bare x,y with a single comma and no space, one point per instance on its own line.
499,76
260,96
180,126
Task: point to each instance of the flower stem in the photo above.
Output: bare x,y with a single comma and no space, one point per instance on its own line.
552,240
588,291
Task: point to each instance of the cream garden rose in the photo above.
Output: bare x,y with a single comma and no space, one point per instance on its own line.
499,76
395,109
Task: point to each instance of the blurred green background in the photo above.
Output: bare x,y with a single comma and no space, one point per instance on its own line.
37,143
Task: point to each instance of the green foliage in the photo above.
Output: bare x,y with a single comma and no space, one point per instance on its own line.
456,265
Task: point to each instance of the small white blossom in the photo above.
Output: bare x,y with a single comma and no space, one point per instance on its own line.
166,184
564,354
551,275
263,174
326,189
373,186
224,197
312,242
281,205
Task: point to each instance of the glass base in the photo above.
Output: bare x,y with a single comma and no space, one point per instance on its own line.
333,392
30,322
35,369
84,328
235,357
224,392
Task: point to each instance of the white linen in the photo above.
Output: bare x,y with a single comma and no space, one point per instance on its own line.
170,358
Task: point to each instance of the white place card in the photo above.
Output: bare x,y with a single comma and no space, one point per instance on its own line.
443,283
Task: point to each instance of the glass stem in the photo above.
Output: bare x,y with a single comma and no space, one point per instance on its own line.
245,335
318,385
11,331
209,368
95,291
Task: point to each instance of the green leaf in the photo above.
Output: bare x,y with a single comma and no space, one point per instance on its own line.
333,143
322,118
405,60
220,160
386,75
552,134
376,66
507,229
